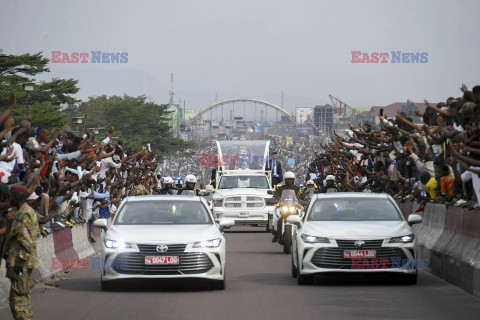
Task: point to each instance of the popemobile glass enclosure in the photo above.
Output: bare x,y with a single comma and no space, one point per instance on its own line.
252,153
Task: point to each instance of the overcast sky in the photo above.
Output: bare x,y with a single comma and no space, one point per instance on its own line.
254,48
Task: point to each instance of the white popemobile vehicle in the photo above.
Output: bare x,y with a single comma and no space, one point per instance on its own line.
241,194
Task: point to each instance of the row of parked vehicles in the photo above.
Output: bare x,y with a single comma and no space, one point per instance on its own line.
181,236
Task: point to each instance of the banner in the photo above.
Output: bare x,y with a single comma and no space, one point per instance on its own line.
304,116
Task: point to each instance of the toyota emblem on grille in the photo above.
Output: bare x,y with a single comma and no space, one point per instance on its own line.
162,248
359,243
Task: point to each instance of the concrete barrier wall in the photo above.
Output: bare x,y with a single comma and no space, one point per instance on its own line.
58,247
450,239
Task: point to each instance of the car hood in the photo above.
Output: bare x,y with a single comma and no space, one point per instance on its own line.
162,233
356,229
222,193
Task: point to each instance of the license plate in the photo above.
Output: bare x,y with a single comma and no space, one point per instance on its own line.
149,260
244,214
359,253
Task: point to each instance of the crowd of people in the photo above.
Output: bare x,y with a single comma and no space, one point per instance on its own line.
432,157
67,178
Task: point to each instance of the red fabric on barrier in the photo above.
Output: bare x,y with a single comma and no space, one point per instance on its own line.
63,244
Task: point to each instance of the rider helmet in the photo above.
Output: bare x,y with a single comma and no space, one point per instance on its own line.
190,179
330,177
289,175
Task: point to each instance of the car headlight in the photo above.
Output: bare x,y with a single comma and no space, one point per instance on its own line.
217,202
112,244
214,243
312,239
403,239
292,209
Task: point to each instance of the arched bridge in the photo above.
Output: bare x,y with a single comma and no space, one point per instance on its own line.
244,100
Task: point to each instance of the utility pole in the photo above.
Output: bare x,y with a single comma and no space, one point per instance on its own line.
282,100
171,92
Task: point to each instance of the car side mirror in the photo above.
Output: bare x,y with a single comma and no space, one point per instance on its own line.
101,224
270,192
225,223
414,218
293,219
271,201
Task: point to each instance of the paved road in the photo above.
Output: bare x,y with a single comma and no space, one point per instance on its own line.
259,286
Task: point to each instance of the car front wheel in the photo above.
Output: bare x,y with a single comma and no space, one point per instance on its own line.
294,269
303,279
107,285
219,284
409,279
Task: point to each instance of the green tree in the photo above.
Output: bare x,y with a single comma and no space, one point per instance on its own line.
18,69
134,119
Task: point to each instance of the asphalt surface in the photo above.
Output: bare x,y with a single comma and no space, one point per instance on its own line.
259,286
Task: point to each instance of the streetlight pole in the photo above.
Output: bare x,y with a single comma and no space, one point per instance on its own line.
28,87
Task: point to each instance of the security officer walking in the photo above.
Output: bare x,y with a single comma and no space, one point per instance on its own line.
276,168
20,253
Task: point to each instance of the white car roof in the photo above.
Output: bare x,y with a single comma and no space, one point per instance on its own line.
351,195
164,198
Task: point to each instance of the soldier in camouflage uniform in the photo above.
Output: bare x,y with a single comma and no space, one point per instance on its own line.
20,253
138,189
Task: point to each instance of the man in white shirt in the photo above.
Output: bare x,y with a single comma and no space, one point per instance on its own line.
107,163
16,158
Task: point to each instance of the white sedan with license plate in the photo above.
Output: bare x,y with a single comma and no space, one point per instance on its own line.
353,232
163,237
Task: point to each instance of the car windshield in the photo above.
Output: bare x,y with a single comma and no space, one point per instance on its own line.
353,209
163,212
241,181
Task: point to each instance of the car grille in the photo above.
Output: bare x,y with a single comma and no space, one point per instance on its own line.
152,248
244,202
134,263
332,257
350,244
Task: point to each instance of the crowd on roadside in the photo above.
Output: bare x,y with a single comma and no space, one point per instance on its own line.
433,156
68,178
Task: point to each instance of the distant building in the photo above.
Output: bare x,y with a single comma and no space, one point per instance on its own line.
391,111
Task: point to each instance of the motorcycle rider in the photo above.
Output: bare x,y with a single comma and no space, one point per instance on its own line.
310,188
329,185
190,182
167,186
289,179
179,184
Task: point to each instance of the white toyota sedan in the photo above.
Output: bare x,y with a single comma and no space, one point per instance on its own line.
163,237
353,232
